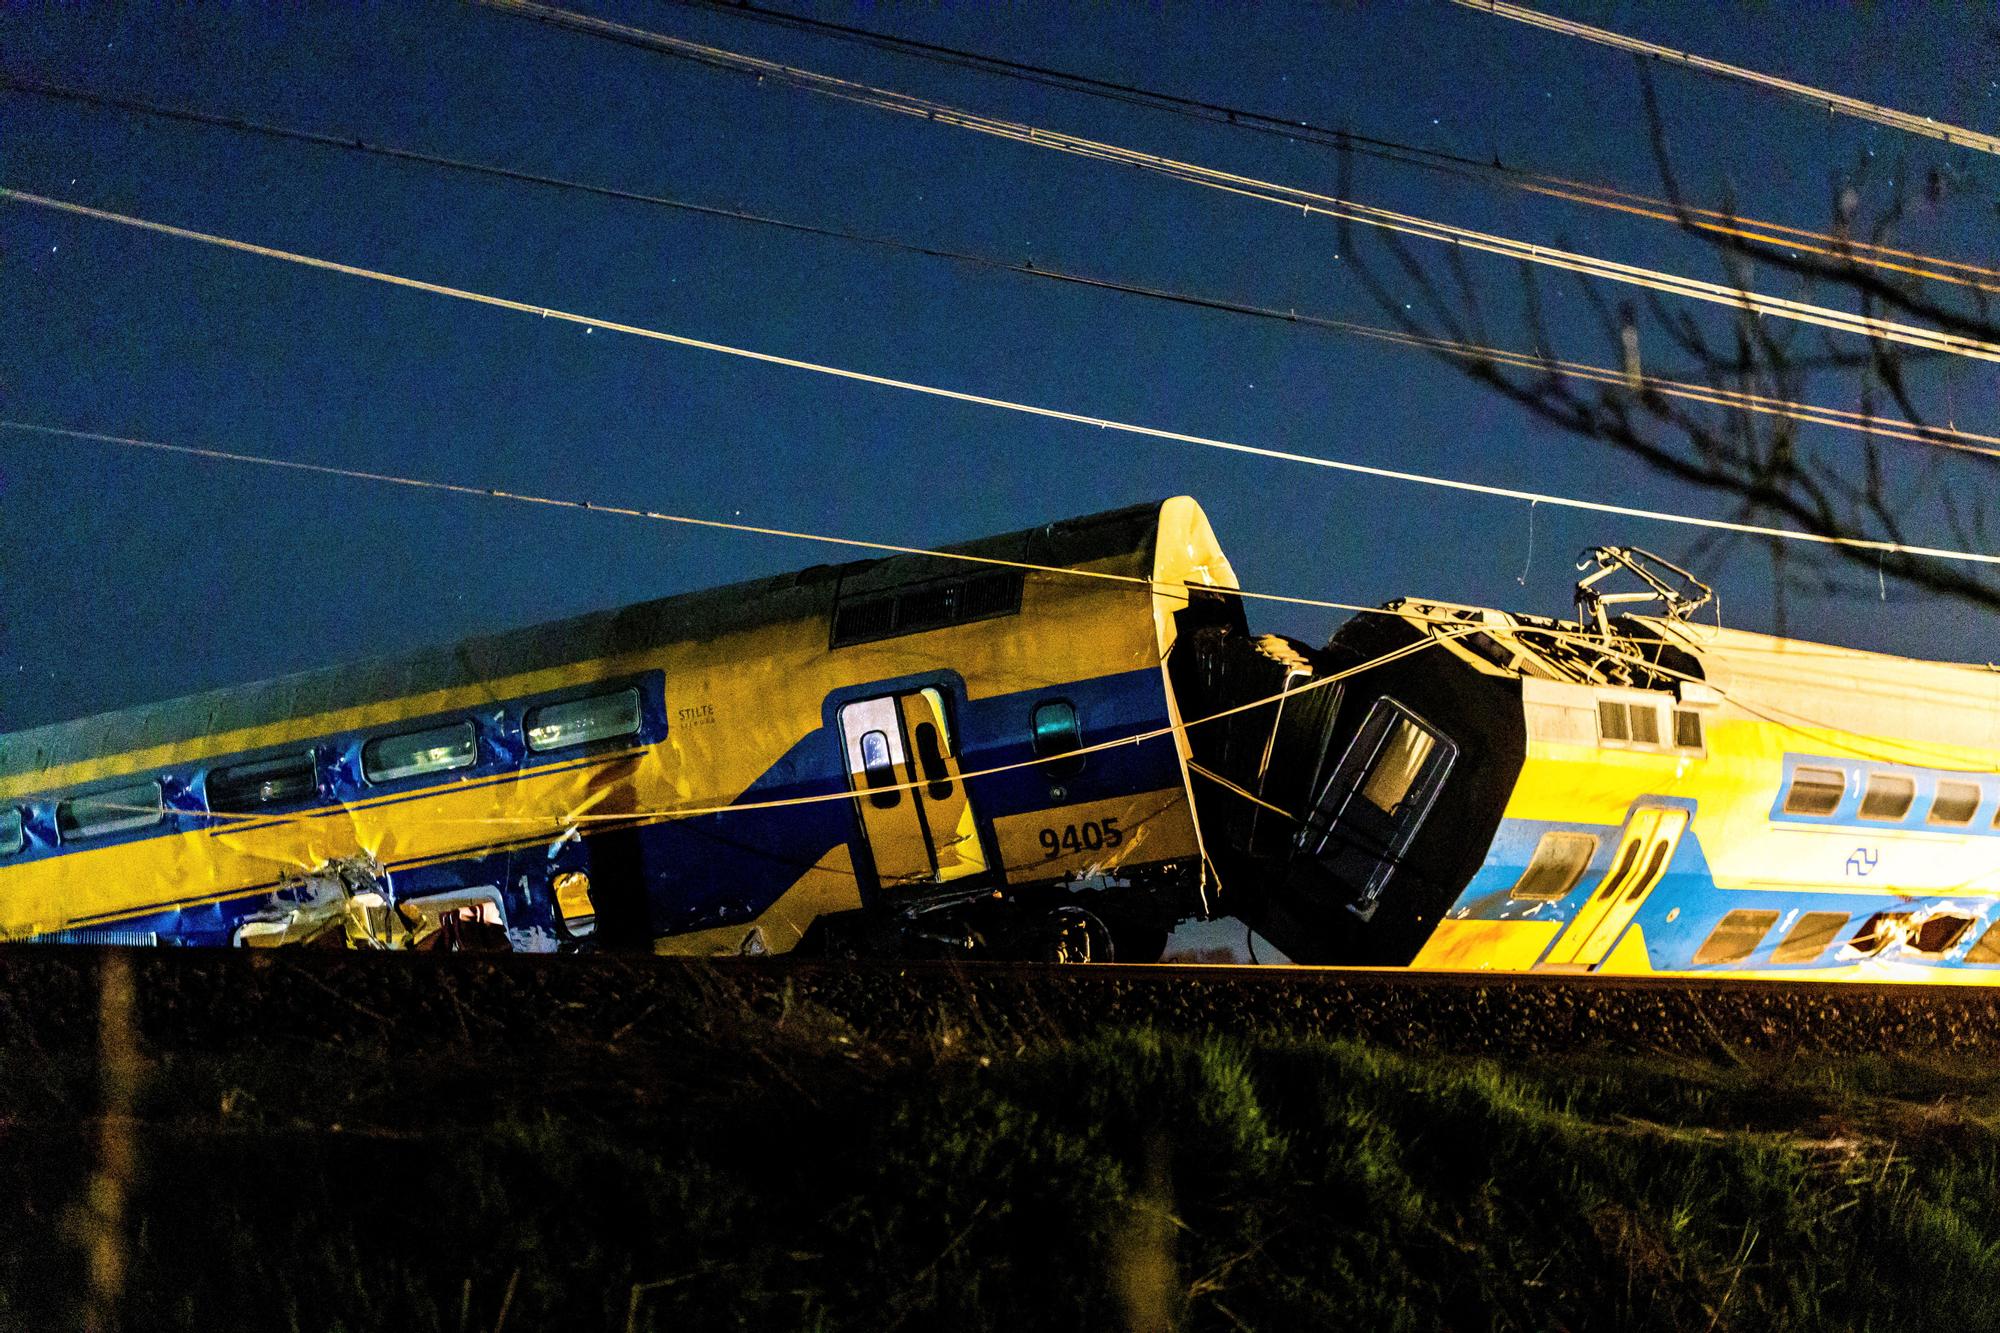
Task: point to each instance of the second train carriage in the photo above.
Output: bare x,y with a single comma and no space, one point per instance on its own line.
1635,796
875,756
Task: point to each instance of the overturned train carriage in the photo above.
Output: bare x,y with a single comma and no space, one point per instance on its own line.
893,755
1644,795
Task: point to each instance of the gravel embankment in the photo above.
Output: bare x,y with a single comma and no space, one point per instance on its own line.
201,999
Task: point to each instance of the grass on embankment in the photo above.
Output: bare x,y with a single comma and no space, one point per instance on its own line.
796,1175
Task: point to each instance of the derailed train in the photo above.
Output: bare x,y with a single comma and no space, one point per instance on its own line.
1053,744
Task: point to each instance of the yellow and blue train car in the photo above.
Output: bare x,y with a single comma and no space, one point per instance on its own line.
1643,796
892,754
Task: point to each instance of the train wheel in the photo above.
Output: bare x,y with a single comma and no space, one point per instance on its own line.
1072,935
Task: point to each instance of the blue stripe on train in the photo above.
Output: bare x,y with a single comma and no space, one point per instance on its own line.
745,859
1681,913
501,754
728,868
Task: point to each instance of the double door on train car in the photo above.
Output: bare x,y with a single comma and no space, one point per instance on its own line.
902,761
1641,861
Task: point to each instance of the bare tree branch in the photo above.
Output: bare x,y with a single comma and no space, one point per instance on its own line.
1865,485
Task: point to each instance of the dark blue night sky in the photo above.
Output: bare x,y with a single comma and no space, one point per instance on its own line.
131,577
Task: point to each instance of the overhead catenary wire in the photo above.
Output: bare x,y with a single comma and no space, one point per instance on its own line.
1896,428
1592,193
1928,126
626,511
1308,202
1003,404
1442,627
762,530
715,807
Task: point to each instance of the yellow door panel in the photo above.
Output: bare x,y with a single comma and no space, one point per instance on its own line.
1630,957
1095,836
946,811
1641,861
1625,866
872,731
1666,836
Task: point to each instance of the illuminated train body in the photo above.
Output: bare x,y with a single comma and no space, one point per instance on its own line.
734,771
1656,796
1056,749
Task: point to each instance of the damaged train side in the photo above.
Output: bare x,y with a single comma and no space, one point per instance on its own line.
887,756
1642,795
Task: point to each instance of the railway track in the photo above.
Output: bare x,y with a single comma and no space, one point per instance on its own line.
200,999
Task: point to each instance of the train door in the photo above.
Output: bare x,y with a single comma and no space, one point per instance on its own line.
1637,866
1371,807
924,833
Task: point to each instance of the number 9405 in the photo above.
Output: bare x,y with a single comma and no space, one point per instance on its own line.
1094,835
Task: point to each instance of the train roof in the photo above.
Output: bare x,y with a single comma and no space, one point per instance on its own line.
1807,686
1818,687
1127,541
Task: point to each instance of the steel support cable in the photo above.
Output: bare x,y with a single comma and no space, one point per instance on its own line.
1586,192
1830,245
1003,404
886,548
1241,790
1308,202
651,515
1447,626
236,818
1948,437
1592,193
1848,106
749,529
1895,428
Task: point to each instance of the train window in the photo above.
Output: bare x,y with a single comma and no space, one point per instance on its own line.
1878,932
931,757
1815,791
1938,932
1397,764
1558,863
1736,936
1987,950
996,594
433,750
1634,723
1643,885
1955,803
113,811
1687,729
927,606
1809,938
857,622
1888,796
1056,734
264,782
879,769
601,717
12,836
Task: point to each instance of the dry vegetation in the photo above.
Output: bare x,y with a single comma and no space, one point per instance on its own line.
781,1167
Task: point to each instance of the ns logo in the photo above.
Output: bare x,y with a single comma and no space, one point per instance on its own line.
1861,862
